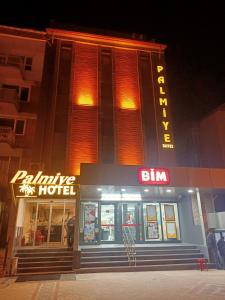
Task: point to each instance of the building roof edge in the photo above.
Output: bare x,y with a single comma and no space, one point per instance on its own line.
105,40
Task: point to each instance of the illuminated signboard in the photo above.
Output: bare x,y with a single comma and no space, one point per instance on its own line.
167,141
44,186
154,176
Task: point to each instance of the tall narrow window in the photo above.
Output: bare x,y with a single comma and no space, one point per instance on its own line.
83,141
129,135
28,63
24,94
20,127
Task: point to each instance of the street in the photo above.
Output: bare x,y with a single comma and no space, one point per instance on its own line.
163,285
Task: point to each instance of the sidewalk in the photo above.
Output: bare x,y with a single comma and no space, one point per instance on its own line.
158,285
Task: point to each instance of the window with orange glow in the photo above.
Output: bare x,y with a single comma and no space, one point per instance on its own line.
85,75
126,79
83,142
129,136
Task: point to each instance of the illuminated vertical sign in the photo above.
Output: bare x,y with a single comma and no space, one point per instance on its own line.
167,139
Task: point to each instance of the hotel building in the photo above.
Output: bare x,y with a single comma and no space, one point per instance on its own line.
102,149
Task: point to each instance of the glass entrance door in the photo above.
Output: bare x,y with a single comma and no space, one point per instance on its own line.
130,219
170,221
152,222
50,221
42,224
45,223
108,222
56,223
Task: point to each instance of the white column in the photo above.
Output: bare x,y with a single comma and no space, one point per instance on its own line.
201,216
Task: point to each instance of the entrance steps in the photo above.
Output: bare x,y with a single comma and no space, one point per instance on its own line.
44,261
148,258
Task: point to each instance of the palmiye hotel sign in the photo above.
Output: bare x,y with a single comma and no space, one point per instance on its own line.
163,103
40,185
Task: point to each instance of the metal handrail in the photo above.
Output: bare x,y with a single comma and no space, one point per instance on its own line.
129,244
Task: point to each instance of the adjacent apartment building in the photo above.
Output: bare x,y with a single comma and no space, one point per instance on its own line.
21,65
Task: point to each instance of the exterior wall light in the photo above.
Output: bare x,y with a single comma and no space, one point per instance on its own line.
190,191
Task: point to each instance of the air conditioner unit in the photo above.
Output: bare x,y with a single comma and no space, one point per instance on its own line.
35,167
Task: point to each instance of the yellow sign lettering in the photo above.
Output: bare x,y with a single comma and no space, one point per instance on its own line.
161,79
27,185
19,175
161,91
163,101
164,112
159,68
167,138
171,146
70,180
24,178
28,179
165,124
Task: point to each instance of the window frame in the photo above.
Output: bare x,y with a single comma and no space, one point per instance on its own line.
14,125
26,64
19,60
24,126
20,90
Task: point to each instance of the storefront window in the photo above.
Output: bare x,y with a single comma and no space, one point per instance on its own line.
129,218
42,230
42,224
152,221
107,222
28,233
89,230
170,221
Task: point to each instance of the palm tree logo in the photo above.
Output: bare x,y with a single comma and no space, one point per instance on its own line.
27,189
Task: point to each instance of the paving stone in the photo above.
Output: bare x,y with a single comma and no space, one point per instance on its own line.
163,285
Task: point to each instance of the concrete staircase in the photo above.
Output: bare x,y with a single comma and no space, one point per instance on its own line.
149,258
44,261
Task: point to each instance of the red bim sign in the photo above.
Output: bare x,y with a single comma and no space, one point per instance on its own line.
154,176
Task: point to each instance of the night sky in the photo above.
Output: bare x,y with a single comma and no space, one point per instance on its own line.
194,33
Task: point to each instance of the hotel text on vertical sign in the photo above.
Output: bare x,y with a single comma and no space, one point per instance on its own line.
163,103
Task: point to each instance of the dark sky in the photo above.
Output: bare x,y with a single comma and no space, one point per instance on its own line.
194,33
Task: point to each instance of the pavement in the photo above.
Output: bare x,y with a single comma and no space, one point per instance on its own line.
163,285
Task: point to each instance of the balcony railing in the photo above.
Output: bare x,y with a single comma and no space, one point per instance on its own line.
12,60
7,135
9,96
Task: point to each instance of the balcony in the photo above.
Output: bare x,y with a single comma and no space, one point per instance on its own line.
12,66
7,135
9,96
